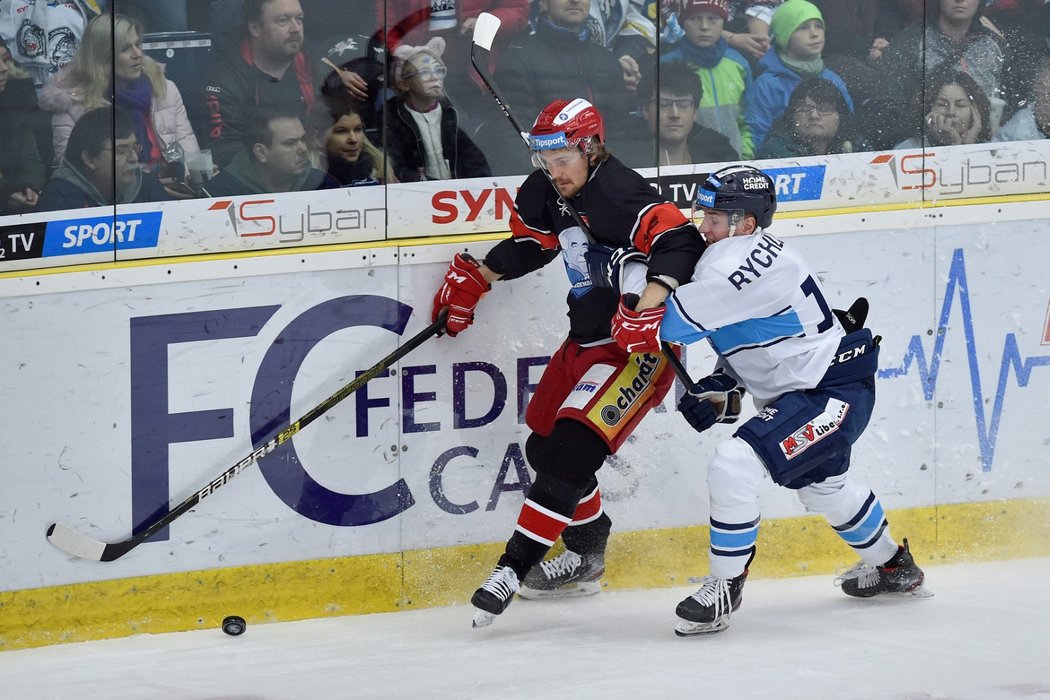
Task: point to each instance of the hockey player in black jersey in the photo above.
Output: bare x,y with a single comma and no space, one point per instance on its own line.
812,375
573,414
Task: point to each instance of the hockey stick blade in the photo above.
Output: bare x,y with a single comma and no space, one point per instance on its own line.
73,542
485,30
81,546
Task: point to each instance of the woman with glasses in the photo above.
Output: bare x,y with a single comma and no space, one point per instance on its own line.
424,139
111,67
817,121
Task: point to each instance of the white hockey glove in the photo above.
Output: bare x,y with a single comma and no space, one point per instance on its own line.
714,399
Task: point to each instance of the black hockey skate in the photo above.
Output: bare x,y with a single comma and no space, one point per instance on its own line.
708,610
494,595
899,575
567,575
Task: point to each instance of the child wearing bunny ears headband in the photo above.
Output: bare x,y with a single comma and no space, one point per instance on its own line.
424,138
419,74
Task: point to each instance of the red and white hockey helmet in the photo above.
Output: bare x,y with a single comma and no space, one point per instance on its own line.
565,124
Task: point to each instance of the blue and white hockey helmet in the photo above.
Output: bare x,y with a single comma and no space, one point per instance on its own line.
739,188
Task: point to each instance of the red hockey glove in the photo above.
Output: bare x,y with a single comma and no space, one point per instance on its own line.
463,288
637,331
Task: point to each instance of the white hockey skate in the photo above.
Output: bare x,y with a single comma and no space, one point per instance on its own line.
494,595
567,575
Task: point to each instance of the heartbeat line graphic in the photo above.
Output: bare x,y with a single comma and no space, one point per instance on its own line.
987,429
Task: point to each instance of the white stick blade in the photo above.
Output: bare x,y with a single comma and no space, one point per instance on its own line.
72,542
485,30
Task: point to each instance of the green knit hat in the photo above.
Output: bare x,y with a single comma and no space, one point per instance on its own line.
789,17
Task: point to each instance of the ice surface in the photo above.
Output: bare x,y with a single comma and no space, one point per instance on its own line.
985,635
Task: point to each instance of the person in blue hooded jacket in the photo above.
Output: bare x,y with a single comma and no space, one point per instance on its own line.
798,41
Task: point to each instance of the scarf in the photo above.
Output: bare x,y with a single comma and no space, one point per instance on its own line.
814,66
353,173
137,98
703,57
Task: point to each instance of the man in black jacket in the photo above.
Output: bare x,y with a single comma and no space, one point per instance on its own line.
560,61
96,165
273,158
269,69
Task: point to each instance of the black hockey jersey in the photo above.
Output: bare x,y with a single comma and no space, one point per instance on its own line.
621,209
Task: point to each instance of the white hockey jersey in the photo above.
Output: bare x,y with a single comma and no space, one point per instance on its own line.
764,312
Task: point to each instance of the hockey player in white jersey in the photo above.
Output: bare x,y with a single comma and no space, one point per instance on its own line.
763,310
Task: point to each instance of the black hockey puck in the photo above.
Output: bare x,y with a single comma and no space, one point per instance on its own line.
234,625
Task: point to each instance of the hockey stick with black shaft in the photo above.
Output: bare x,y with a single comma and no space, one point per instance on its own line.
485,30
80,545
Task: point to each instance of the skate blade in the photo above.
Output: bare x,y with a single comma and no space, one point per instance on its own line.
922,591
482,618
575,590
688,628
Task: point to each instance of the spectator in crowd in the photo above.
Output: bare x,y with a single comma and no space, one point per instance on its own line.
557,61
747,29
44,36
98,73
21,170
853,46
560,61
626,28
343,149
724,73
270,69
1032,122
1027,40
424,138
274,158
817,121
670,116
956,109
415,22
374,73
100,166
798,37
952,35
851,28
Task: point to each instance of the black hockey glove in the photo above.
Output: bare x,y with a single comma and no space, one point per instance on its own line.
616,268
597,257
713,399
